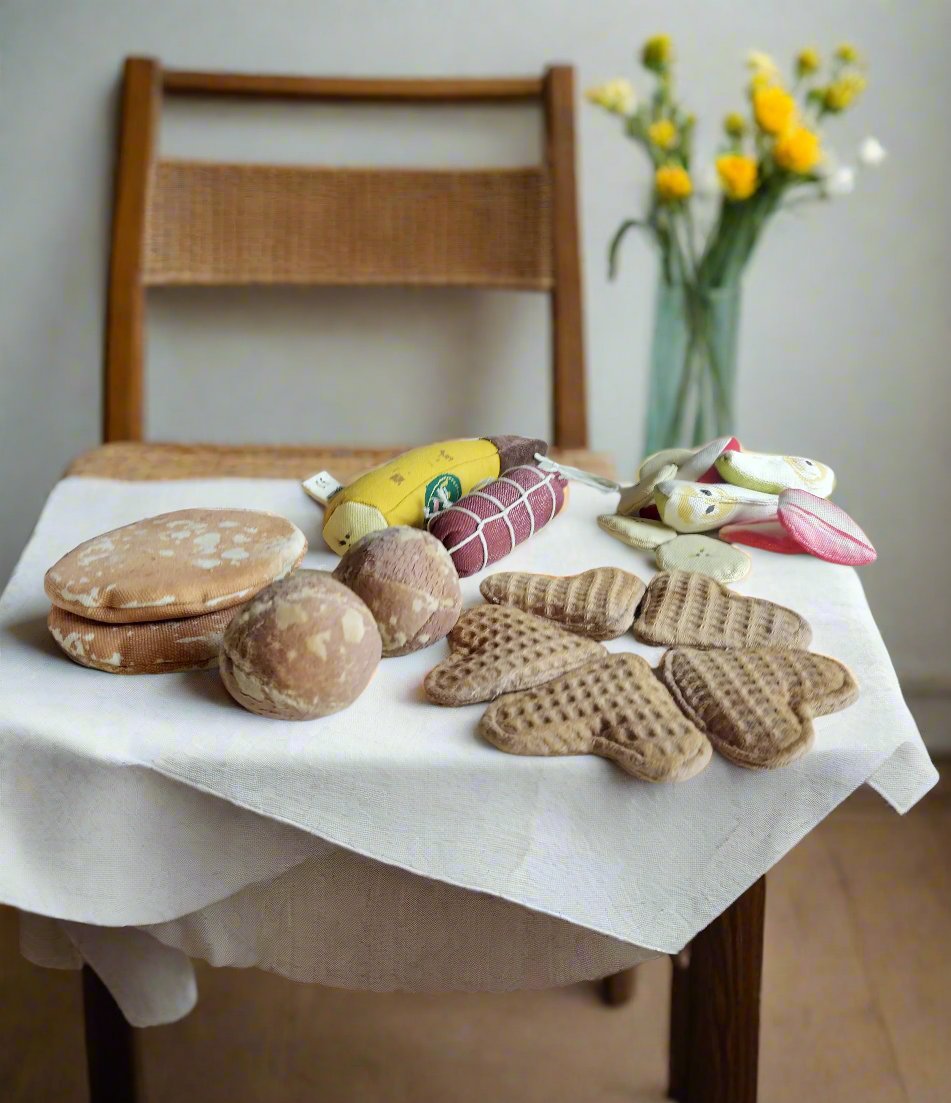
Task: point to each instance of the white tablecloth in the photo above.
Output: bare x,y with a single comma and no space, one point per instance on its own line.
386,846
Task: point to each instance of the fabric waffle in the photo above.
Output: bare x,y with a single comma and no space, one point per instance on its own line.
152,647
498,649
757,706
614,707
691,610
600,603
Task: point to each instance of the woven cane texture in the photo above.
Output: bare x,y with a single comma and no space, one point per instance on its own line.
757,705
691,610
600,603
138,460
499,649
615,708
210,223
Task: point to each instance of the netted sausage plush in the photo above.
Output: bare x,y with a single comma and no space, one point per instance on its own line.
486,524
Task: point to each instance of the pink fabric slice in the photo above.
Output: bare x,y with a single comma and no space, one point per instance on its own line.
768,535
824,529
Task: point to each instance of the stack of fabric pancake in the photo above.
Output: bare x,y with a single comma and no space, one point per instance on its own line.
155,596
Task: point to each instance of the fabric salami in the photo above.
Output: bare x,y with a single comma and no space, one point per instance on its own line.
486,524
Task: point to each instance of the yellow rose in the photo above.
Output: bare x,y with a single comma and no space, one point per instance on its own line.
617,96
840,93
807,61
672,183
774,108
797,150
734,124
663,133
737,174
657,52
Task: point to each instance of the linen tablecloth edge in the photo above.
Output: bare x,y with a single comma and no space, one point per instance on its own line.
905,777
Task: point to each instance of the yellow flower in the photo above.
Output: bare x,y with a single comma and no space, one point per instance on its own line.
774,108
657,52
797,150
807,61
841,93
663,133
847,53
672,183
734,124
617,96
737,174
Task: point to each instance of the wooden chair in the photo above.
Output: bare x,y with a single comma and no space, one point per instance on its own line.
182,222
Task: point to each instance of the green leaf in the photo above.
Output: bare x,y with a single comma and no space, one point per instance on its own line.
627,224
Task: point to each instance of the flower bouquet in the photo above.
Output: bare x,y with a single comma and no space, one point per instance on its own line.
772,156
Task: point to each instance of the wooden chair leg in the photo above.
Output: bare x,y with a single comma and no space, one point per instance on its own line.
679,1025
110,1051
618,988
715,1003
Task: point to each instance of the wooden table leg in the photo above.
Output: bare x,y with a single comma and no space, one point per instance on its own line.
714,1043
110,1052
618,988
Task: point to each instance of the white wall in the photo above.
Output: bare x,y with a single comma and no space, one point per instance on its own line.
847,322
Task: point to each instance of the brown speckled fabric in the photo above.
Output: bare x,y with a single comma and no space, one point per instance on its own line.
179,564
150,647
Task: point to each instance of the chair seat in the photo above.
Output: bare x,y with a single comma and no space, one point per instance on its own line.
140,460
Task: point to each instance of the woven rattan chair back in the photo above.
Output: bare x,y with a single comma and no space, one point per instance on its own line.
182,222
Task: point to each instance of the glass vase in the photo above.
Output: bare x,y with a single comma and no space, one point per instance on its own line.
692,364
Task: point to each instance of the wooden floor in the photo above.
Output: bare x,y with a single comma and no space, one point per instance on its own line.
857,1007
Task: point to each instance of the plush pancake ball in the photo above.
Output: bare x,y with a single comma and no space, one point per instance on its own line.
302,648
408,580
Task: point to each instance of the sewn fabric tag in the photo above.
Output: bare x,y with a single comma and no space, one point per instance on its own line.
322,487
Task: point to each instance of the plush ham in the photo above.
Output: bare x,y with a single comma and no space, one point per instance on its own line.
487,523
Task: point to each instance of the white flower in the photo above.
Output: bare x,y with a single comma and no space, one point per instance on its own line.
617,96
872,152
840,182
762,63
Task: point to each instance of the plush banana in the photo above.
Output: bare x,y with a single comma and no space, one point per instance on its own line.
408,490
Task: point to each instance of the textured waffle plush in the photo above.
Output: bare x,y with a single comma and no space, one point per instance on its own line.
487,523
152,647
614,707
600,603
497,649
691,610
757,706
175,565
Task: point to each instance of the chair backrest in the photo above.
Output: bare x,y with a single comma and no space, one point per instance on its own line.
178,222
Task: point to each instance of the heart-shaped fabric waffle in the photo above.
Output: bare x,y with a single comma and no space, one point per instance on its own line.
600,603
691,610
757,706
498,649
615,708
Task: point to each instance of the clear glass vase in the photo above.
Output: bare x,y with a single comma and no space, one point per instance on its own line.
693,364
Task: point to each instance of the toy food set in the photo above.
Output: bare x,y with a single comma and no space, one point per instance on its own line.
204,587
155,596
487,523
304,647
600,603
414,486
409,583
